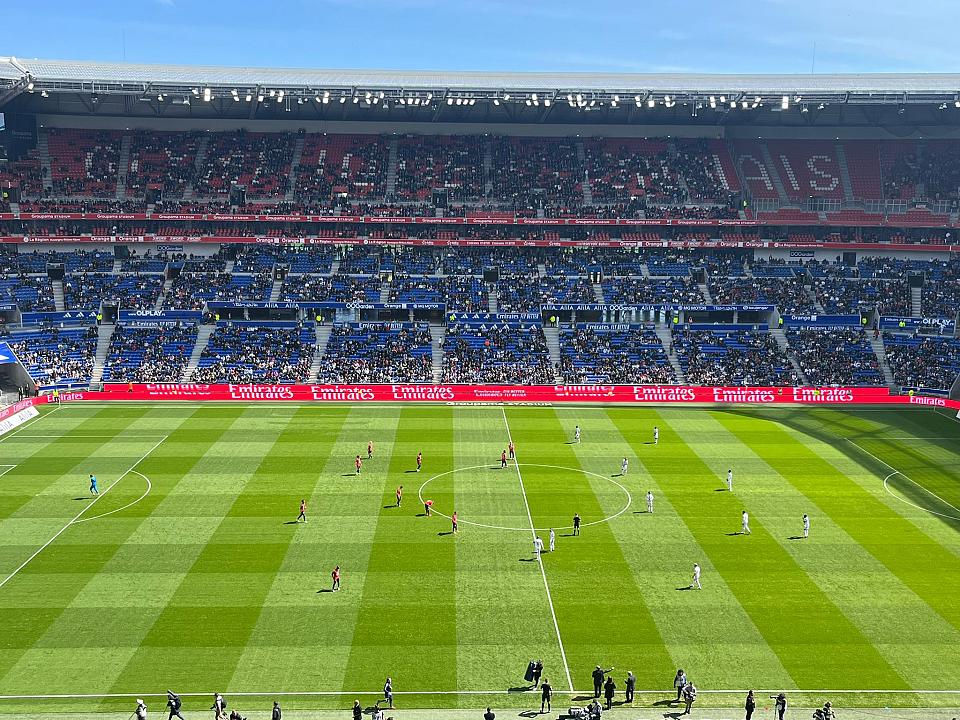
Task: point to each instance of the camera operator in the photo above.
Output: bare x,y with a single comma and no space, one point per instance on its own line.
780,706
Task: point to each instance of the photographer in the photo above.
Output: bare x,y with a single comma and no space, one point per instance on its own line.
174,703
780,706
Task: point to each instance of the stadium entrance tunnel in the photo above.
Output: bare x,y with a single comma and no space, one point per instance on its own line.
525,497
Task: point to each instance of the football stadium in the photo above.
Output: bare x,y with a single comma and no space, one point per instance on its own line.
433,394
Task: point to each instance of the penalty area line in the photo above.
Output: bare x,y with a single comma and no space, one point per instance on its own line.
80,514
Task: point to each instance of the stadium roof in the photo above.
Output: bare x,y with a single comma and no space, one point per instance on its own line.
519,96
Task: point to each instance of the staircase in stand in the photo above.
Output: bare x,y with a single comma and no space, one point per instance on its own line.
385,292
487,169
585,182
781,337
43,150
598,293
844,174
916,302
813,296
541,269
774,175
295,167
167,284
493,298
666,339
124,165
881,352
319,350
203,337
58,302
438,333
705,291
104,333
197,164
552,333
392,166
275,290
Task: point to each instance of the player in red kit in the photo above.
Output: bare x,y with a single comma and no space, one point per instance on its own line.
399,495
513,450
369,450
358,463
335,575
503,459
419,461
454,521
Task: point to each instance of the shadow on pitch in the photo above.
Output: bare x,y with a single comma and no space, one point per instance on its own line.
685,587
523,689
443,533
349,475
325,590
410,471
665,703
528,714
720,490
795,537
527,559
291,522
733,534
82,498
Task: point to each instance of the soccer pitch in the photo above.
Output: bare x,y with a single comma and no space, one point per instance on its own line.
190,573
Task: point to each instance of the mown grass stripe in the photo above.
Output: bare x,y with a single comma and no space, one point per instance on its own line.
659,549
602,615
406,625
913,558
813,639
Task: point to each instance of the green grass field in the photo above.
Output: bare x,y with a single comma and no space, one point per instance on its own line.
189,573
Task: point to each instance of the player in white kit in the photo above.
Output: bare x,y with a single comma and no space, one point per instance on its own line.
650,501
553,540
806,526
656,435
730,480
576,434
623,466
537,545
745,523
696,577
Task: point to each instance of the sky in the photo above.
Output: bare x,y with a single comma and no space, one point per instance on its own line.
736,36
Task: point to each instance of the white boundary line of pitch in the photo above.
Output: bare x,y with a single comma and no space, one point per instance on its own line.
909,479
501,691
80,514
543,572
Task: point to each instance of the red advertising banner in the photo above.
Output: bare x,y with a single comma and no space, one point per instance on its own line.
11,410
535,394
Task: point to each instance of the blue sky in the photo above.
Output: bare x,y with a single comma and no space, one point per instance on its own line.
523,35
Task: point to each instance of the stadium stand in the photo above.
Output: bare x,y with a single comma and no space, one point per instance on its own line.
507,353
378,353
609,354
242,353
148,354
923,362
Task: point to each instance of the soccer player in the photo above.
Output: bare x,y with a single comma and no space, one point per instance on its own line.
512,450
806,526
503,459
303,511
576,523
453,520
553,540
358,463
419,461
730,479
650,501
537,545
745,523
93,485
335,576
576,434
696,577
370,450
399,494
427,504
623,467
656,435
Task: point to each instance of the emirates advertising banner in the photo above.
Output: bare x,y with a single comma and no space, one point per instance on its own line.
521,394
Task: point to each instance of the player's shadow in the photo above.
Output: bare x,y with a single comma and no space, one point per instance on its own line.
81,498
733,534
572,442
410,471
443,533
349,475
665,703
582,698
387,507
642,512
674,715
291,522
325,590
720,489
528,714
685,587
422,515
527,559
795,537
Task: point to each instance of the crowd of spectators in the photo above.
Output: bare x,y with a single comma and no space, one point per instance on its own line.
132,290
259,161
634,355
377,353
506,354
57,356
164,160
448,163
788,294
149,354
732,357
248,353
31,293
526,293
835,357
630,291
923,362
460,293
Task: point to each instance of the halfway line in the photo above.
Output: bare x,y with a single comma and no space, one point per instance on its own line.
543,572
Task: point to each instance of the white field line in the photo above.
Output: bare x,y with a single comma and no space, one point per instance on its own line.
30,423
129,504
499,691
91,436
80,514
4,469
886,487
906,477
543,572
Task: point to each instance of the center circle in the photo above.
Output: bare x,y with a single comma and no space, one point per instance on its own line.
581,471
